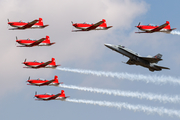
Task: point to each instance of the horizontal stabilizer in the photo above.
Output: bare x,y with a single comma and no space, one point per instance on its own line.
162,67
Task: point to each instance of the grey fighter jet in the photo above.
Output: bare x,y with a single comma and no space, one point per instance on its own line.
135,59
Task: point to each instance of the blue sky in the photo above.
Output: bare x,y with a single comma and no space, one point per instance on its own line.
86,50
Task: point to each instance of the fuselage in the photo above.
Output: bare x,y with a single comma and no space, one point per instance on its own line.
149,28
85,26
135,58
48,97
21,24
36,64
40,82
28,42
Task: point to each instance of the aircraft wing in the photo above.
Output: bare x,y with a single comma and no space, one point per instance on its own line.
54,97
162,67
151,60
43,65
37,42
95,25
47,83
140,32
30,24
159,28
130,62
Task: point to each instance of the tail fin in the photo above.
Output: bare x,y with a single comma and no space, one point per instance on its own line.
158,56
168,26
103,24
62,93
40,21
53,61
47,39
56,79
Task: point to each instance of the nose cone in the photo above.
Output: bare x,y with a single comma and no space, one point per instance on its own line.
10,23
29,81
108,45
75,25
18,41
37,96
25,63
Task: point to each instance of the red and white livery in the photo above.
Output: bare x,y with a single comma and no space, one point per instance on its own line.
25,25
101,25
36,65
32,43
60,96
40,82
154,28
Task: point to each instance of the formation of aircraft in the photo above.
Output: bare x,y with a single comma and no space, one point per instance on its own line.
60,96
154,28
135,59
36,65
101,25
40,82
32,43
27,25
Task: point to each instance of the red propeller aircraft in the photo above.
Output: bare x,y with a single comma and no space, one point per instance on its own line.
101,25
24,25
152,28
31,43
36,65
40,82
60,96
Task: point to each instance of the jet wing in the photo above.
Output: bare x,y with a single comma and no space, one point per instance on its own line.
151,60
30,24
130,62
43,65
54,97
159,28
47,83
94,26
37,42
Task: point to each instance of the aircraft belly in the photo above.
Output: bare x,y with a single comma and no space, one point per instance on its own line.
60,98
25,43
50,66
43,44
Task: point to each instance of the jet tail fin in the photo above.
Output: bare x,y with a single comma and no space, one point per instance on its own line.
158,56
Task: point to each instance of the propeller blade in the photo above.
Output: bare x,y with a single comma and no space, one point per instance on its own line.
24,61
16,38
29,78
8,20
35,94
72,22
139,23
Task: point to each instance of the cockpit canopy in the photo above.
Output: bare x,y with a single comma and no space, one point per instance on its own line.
121,46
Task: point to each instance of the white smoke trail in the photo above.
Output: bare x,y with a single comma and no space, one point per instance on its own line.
175,32
148,96
146,109
138,77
